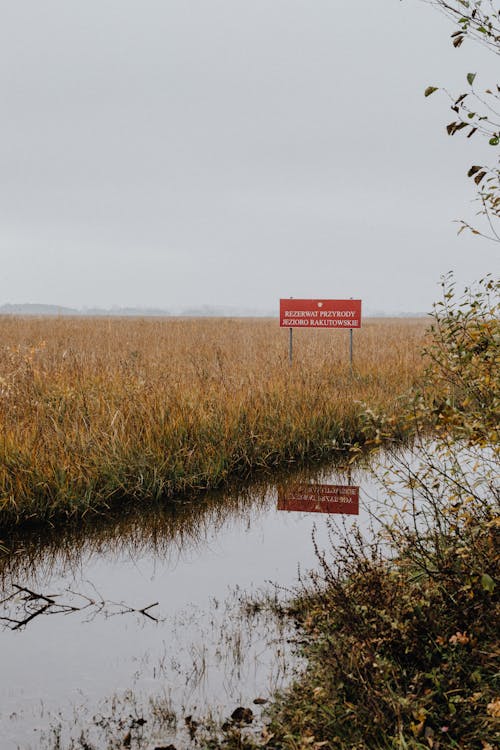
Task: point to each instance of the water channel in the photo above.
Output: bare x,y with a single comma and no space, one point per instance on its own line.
112,634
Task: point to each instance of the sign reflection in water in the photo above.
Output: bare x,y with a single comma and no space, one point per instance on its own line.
320,498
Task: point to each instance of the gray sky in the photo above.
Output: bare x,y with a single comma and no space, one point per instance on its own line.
229,152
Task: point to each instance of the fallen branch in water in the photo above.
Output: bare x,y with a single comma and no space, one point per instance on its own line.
23,605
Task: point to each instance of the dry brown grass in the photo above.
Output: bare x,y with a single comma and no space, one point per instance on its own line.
96,411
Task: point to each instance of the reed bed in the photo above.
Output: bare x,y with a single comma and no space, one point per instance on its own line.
96,412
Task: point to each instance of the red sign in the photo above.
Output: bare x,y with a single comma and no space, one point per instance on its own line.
320,313
320,498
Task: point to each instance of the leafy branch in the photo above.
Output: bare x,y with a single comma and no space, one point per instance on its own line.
477,111
477,19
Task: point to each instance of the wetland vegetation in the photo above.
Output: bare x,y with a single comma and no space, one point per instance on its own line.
102,413
396,628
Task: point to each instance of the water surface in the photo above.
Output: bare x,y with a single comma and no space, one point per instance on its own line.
91,667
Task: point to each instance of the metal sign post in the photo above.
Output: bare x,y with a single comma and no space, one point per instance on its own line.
350,350
320,313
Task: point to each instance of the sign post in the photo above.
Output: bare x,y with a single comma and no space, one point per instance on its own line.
320,313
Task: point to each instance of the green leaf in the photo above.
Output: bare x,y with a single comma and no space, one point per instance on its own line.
494,141
487,583
470,78
430,90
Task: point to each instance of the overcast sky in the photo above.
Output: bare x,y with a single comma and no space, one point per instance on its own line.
228,152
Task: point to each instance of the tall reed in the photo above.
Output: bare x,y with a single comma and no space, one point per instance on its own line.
99,411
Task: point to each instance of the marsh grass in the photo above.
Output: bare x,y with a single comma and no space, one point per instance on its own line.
100,412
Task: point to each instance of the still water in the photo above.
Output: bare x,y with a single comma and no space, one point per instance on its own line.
119,631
